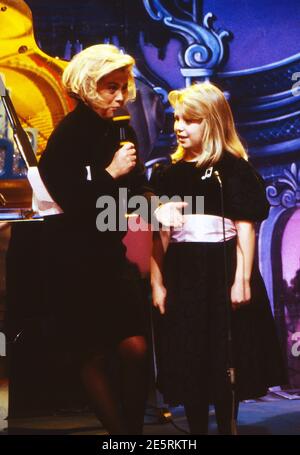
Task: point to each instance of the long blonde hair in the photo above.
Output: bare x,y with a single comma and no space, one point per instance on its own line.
206,102
83,73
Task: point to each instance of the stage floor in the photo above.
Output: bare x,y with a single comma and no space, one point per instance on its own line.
268,416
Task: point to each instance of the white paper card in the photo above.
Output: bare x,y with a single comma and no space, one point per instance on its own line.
42,202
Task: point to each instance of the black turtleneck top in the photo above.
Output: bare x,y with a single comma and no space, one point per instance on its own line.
243,188
84,143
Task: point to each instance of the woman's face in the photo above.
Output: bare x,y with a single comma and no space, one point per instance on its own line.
112,89
189,133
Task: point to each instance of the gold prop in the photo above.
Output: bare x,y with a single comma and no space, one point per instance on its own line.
32,77
33,81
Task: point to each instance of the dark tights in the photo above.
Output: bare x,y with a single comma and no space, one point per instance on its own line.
95,377
197,415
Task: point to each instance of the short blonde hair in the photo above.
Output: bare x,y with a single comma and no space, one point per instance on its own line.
206,102
83,73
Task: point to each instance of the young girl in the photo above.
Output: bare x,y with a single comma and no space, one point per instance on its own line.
198,297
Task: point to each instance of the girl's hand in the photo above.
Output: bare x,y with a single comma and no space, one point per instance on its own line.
170,214
123,161
159,294
240,293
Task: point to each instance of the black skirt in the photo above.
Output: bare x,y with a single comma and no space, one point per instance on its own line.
91,292
192,337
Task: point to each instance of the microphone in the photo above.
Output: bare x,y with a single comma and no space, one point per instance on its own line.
217,175
122,122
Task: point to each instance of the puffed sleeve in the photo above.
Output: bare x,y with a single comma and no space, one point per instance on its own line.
245,193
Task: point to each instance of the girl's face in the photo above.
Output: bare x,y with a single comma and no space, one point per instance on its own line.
189,133
113,89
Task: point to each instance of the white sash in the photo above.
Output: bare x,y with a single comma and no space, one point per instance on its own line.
203,228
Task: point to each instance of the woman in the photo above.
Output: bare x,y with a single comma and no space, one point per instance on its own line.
191,285
89,285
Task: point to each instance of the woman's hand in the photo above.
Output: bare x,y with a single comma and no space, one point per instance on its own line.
159,294
240,293
123,161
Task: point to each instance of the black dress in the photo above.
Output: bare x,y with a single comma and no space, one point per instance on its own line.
91,291
192,335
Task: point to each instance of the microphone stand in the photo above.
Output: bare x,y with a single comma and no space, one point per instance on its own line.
230,363
20,136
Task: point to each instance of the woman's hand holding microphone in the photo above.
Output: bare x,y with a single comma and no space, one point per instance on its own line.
123,162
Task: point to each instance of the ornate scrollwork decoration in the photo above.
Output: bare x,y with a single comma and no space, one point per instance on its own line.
205,46
286,191
163,93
